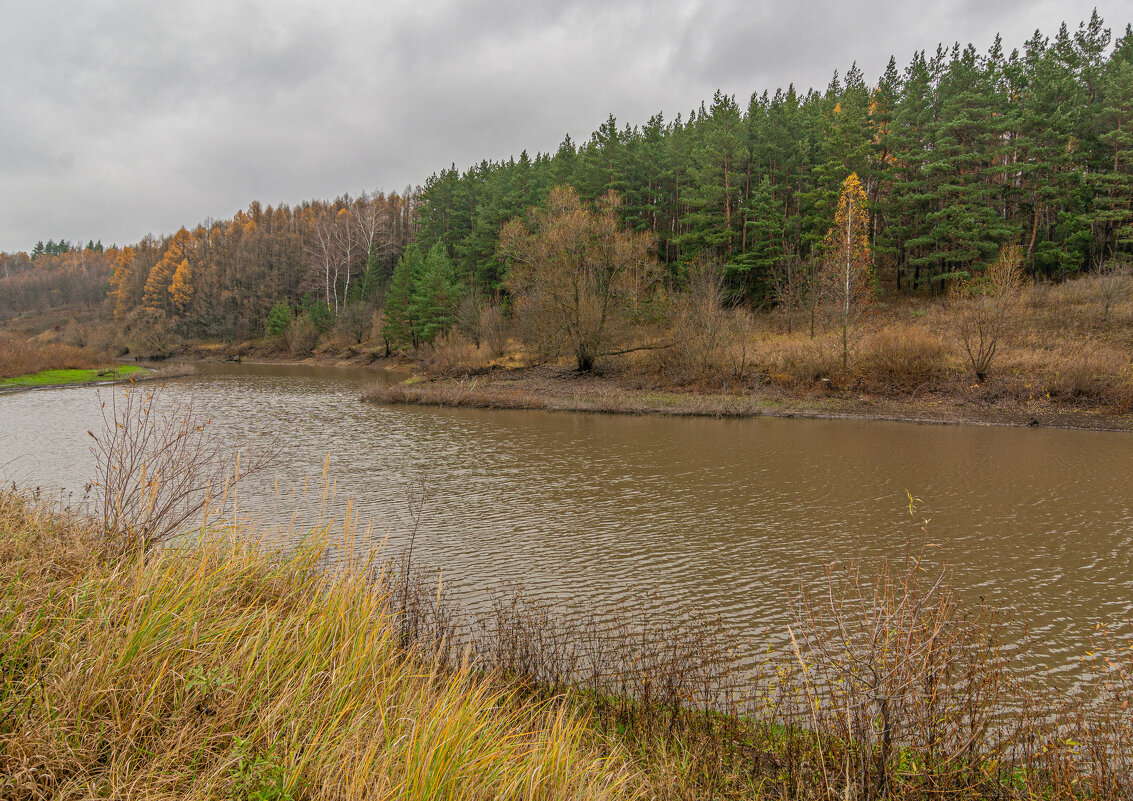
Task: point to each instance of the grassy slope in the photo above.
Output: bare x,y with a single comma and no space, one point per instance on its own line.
215,673
46,378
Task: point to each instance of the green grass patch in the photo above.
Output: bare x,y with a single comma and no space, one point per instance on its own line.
47,378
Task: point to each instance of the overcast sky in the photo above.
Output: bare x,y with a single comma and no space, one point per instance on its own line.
123,118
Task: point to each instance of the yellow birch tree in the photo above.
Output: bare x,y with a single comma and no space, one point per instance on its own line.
848,263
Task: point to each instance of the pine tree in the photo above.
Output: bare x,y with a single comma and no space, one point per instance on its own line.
398,324
434,297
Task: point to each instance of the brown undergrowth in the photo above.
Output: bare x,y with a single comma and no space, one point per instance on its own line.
20,356
216,669
1065,348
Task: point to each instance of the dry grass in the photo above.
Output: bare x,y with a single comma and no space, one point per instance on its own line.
451,356
902,358
218,672
19,356
1092,374
797,361
468,393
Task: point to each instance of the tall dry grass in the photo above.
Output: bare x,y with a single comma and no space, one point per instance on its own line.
20,356
218,671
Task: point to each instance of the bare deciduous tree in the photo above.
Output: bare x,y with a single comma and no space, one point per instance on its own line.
796,288
576,274
984,307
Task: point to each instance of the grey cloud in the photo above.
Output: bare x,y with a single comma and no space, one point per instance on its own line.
122,118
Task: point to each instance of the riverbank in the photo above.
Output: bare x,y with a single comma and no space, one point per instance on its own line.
562,389
79,377
506,383
217,670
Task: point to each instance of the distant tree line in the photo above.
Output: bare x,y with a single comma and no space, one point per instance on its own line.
221,279
958,154
65,277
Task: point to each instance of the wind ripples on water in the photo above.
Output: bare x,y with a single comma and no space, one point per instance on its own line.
724,515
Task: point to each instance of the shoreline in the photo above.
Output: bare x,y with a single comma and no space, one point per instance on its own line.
559,390
135,376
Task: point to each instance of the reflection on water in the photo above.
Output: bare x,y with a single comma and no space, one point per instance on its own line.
724,514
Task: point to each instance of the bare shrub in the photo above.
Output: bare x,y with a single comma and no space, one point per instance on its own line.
150,334
493,328
302,335
451,356
902,358
984,308
797,291
107,338
19,356
482,321
710,341
893,667
1102,722
158,467
651,661
1095,373
1113,285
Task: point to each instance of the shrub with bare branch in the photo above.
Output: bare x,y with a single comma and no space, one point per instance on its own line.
984,307
710,340
899,669
1113,285
158,467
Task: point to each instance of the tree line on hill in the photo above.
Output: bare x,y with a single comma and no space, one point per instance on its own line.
958,154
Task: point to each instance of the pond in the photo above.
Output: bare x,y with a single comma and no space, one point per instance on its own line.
724,515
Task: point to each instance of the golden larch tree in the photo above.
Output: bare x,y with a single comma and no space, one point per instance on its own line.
181,287
120,280
156,293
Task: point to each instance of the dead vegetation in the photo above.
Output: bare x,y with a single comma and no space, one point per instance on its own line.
1045,348
217,670
21,356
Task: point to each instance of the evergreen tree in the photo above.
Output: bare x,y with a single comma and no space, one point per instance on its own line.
398,325
435,296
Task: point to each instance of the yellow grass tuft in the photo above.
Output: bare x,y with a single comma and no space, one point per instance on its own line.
218,671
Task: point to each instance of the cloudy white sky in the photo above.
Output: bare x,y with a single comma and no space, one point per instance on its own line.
123,118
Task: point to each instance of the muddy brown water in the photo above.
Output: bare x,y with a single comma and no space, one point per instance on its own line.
724,515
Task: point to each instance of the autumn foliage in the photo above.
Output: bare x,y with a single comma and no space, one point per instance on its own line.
575,272
848,263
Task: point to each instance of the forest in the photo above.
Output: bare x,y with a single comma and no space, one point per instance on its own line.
959,154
